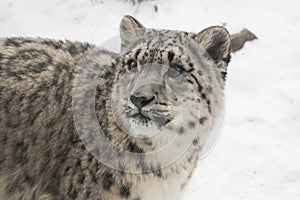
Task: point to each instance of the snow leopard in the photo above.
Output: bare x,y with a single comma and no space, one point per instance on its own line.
156,101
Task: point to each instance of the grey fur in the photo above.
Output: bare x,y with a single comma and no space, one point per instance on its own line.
41,154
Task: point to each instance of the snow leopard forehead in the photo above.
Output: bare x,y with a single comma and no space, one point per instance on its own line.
212,43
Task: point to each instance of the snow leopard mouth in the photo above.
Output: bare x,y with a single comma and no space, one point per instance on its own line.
141,117
145,117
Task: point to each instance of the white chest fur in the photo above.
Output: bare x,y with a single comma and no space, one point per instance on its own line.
163,189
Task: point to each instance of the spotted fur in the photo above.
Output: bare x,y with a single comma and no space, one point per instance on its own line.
41,154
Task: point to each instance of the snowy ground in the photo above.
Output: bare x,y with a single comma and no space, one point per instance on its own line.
256,157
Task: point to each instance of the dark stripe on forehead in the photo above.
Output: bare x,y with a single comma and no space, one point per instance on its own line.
170,56
138,51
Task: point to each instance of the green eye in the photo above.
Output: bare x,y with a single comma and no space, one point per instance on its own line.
132,65
173,71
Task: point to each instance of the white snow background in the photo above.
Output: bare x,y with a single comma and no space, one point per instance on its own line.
258,155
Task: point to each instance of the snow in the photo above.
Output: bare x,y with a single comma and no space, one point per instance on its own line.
257,156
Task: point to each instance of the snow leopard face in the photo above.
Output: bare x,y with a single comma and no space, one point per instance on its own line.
150,89
159,83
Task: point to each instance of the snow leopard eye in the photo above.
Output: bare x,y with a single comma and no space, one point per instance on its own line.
174,71
132,65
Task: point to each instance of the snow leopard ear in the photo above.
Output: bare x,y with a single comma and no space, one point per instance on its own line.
129,23
130,29
216,41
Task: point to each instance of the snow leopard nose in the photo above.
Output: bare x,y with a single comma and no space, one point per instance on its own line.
141,101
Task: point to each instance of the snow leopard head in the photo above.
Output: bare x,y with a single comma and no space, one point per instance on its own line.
167,79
